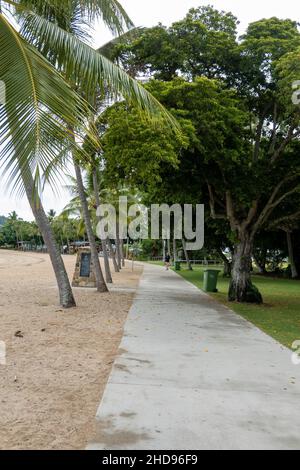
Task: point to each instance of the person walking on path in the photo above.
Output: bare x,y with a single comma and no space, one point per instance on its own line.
167,261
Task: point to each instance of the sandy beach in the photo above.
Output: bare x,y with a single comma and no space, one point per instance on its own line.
58,362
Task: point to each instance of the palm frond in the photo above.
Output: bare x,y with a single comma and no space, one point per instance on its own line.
110,12
40,108
83,65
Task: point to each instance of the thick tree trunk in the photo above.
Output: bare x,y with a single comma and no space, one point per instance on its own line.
241,288
104,245
291,255
64,286
187,258
101,286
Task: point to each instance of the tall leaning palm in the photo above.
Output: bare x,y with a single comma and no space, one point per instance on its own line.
32,128
79,13
41,107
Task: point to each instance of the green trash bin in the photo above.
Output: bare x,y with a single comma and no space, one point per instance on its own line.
177,266
210,280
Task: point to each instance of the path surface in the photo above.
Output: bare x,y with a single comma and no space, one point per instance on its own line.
193,375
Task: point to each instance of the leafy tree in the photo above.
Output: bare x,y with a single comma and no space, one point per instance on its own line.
244,156
16,230
134,149
203,43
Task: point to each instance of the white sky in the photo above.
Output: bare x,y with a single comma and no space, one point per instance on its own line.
149,13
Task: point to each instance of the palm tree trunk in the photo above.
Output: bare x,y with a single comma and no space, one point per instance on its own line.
118,247
122,253
169,247
64,287
101,286
113,256
127,249
104,245
175,250
65,291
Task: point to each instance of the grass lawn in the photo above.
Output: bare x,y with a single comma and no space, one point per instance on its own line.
279,316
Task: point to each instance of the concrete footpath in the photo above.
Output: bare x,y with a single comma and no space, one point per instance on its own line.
191,374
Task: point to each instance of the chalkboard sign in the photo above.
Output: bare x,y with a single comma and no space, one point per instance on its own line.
85,265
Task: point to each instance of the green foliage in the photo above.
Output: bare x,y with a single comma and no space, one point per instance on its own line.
203,43
15,230
134,148
42,58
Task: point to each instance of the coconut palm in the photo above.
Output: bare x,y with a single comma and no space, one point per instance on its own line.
92,196
41,108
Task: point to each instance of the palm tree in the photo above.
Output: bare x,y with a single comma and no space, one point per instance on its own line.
92,197
96,190
32,128
41,107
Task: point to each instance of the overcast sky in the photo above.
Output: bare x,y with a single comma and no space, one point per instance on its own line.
149,13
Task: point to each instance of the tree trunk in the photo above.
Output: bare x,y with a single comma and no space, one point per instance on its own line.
261,265
164,250
241,288
122,253
227,264
104,245
186,255
169,247
291,255
113,256
127,249
65,291
118,246
174,250
64,287
101,286
296,246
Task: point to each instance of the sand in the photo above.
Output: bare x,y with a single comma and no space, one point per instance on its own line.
59,361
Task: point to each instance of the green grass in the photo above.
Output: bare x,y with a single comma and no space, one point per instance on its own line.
279,316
